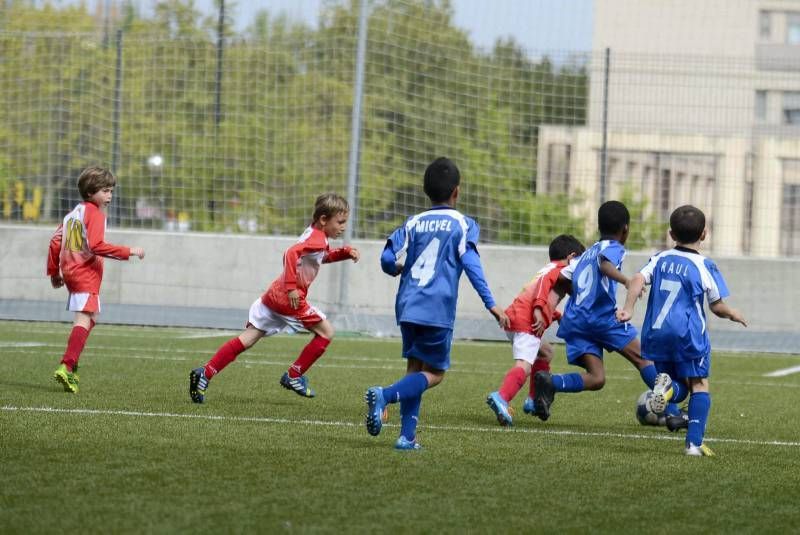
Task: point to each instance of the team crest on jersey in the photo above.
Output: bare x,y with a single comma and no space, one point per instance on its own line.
74,235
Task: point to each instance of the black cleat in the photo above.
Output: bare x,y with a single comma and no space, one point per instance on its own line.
545,393
680,421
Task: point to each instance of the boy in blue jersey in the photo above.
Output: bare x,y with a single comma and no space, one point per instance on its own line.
674,333
589,324
438,245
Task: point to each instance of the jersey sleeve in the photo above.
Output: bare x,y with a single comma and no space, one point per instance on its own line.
474,269
473,233
648,269
337,255
568,270
716,288
541,294
54,251
95,232
613,252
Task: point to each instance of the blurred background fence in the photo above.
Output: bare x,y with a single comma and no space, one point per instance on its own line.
221,127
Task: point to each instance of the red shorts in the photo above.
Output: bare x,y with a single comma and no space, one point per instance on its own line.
83,302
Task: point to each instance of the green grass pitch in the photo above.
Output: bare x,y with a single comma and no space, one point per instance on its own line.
131,453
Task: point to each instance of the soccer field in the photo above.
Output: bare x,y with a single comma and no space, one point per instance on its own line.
131,453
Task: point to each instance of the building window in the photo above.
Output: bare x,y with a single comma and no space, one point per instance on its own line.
790,220
793,28
764,25
791,107
760,106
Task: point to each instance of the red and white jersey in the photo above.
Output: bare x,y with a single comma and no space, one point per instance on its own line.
77,248
535,294
301,263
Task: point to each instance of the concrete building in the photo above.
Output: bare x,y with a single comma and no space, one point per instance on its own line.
700,103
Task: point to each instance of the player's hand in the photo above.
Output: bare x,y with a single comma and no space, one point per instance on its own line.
137,251
57,281
538,322
398,268
354,254
294,298
500,316
623,316
737,317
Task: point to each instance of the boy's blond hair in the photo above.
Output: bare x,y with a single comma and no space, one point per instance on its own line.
330,204
93,179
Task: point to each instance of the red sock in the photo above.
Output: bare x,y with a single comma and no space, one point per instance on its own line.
539,365
308,356
224,356
75,343
512,382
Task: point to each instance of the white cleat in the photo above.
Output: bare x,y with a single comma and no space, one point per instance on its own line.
662,393
699,451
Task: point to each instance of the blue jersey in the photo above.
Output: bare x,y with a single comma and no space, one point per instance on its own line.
594,296
438,245
674,325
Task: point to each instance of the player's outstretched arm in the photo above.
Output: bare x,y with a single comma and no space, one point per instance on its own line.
722,310
635,288
609,270
500,316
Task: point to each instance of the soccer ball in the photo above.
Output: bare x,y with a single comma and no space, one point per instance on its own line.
644,415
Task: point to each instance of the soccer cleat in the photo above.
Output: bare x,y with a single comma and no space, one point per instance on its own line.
198,383
529,406
500,408
66,378
699,451
545,394
662,393
404,444
299,385
375,409
75,374
678,421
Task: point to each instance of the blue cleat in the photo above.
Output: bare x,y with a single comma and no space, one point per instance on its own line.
198,383
375,409
298,385
501,409
529,407
404,444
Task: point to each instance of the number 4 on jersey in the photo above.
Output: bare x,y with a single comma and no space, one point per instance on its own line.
425,265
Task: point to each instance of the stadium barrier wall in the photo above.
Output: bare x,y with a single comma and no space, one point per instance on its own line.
210,280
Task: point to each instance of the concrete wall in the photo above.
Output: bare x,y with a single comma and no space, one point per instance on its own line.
210,280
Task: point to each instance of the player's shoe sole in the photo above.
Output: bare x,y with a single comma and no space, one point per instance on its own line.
500,408
66,379
545,394
298,385
699,451
375,410
662,393
198,383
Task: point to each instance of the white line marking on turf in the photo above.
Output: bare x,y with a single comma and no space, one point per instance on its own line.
22,344
334,423
783,372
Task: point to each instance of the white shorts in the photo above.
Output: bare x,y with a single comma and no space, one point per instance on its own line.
83,302
524,346
265,319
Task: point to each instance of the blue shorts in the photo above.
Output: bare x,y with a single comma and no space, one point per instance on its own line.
685,369
431,345
612,337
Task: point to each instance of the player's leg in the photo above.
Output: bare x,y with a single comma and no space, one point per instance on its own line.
696,371
541,364
666,392
524,347
314,320
85,306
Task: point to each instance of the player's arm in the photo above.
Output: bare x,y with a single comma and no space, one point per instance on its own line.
342,253
722,310
290,258
472,265
95,234
53,253
635,289
392,250
610,270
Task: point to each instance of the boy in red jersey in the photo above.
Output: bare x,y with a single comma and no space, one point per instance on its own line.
75,259
283,307
532,311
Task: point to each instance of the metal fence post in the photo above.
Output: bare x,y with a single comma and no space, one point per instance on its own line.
115,150
604,149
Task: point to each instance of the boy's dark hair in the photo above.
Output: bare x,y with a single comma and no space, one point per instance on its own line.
687,223
328,205
93,179
563,245
441,178
612,218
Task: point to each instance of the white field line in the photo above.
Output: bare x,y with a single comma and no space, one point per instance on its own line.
335,423
784,372
393,362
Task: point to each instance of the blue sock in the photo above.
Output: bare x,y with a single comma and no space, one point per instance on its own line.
679,391
568,382
648,374
699,405
409,387
409,415
672,409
